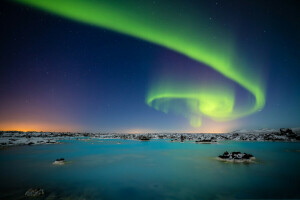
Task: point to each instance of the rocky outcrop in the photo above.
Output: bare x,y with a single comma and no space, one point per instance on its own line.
34,192
59,161
236,157
182,138
206,141
13,138
289,133
286,131
144,138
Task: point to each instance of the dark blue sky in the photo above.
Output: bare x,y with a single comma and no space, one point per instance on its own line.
57,74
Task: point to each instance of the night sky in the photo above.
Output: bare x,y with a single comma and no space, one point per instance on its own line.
149,66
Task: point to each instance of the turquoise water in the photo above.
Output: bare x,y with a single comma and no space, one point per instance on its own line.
158,169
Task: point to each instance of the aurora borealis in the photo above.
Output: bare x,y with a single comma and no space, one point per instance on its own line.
216,103
239,87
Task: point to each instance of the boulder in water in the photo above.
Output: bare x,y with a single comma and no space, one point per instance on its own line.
59,161
236,157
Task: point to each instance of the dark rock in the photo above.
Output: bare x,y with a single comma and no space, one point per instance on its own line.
182,138
288,132
247,156
236,156
235,153
205,141
30,143
144,138
59,161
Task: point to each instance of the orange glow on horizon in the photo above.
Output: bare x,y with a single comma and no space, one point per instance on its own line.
209,127
25,127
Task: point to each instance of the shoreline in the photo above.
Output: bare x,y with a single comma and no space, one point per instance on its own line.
16,138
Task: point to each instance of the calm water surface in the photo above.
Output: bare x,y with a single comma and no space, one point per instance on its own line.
158,169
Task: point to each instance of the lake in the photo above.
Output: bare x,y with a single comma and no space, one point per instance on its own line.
156,169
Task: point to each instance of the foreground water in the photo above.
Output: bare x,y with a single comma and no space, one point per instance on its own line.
158,169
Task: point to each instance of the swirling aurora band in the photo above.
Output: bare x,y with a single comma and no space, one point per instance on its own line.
216,102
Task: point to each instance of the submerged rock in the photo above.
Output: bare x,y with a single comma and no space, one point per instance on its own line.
59,161
34,192
236,157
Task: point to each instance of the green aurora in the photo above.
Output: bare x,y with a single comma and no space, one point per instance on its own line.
184,33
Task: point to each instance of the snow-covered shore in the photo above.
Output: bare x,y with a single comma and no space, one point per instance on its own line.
13,138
